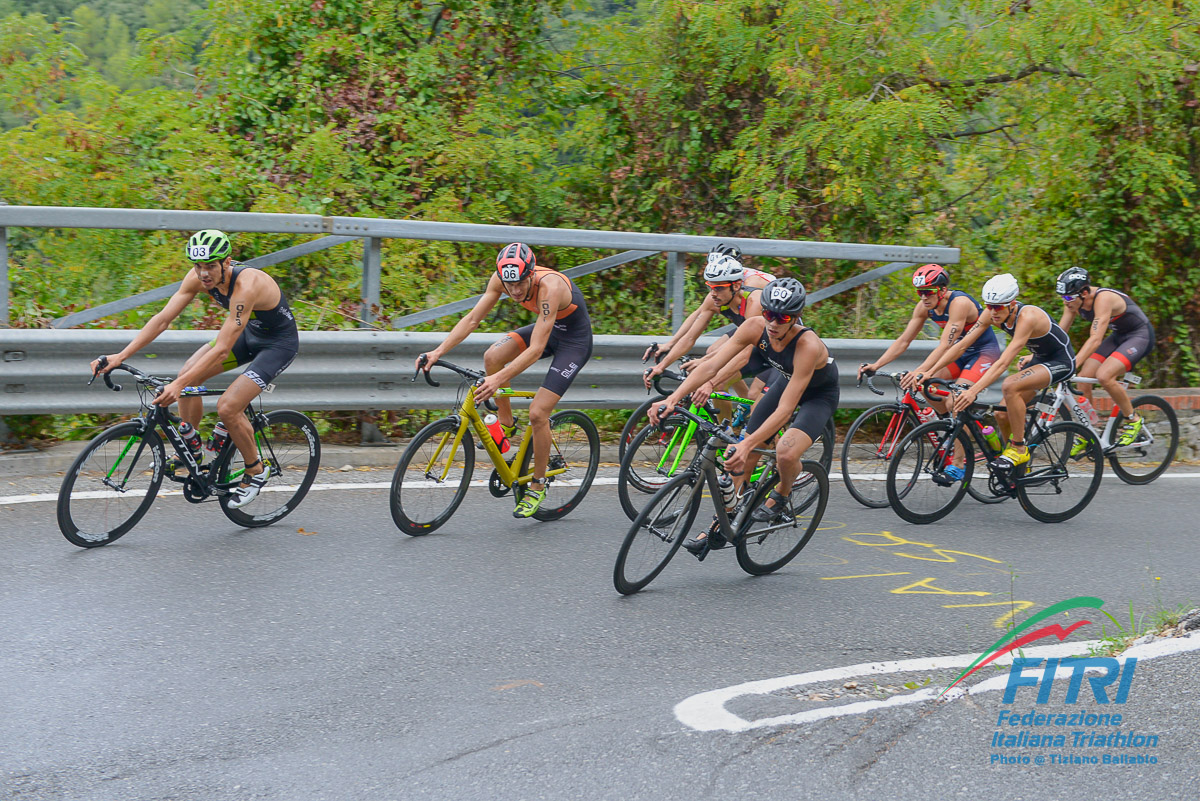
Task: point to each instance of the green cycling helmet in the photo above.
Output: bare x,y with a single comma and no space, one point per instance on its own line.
209,245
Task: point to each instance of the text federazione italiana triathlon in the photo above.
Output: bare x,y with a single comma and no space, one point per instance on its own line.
1038,729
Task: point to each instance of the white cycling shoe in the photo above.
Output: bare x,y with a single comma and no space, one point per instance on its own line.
241,495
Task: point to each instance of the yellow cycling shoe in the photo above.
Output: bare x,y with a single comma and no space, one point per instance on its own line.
1012,458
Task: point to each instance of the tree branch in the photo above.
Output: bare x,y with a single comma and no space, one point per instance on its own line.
942,83
960,134
437,21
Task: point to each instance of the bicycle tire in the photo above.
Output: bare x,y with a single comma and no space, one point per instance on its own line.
643,471
636,422
869,442
567,448
827,441
120,453
1051,466
912,492
419,515
289,442
1125,461
657,532
811,487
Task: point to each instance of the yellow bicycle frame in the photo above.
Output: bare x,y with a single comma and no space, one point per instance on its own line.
469,415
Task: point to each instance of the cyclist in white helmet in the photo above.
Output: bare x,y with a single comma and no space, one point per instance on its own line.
1051,359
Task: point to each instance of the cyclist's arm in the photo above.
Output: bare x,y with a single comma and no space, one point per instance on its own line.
1102,313
1068,317
959,309
469,322
160,322
552,296
686,337
919,316
808,353
955,351
733,354
1020,336
241,308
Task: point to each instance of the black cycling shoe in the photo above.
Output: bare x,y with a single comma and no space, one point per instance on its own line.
771,514
711,540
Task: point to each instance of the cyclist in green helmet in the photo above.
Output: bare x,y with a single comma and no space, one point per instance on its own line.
259,332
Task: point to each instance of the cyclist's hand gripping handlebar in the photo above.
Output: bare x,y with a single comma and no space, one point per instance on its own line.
428,378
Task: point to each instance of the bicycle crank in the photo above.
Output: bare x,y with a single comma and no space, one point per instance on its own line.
195,490
497,487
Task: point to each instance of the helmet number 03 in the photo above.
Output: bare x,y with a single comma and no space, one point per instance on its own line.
198,252
510,273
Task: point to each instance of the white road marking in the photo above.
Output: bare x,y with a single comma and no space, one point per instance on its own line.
706,711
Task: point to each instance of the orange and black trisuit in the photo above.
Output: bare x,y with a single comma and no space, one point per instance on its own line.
1132,334
570,342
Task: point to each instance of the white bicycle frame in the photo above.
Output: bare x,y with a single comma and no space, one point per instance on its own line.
1064,395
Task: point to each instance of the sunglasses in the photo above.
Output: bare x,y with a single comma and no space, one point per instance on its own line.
725,285
925,293
996,306
1068,298
775,317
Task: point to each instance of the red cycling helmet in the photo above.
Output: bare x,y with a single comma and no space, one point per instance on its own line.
930,275
515,263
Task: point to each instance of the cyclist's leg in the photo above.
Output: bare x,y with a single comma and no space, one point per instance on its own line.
1019,389
813,412
503,351
1091,366
971,369
1119,359
191,408
950,372
723,406
265,366
570,355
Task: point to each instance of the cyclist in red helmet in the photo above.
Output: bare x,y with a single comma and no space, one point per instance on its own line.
563,330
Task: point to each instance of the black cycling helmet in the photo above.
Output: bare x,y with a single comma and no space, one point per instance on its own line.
732,251
784,296
1071,281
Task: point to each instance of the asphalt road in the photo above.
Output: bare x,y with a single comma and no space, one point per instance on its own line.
494,660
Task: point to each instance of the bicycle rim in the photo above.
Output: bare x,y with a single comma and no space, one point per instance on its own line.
574,459
763,550
917,488
869,444
1055,485
111,485
657,533
290,445
1154,450
654,457
636,422
432,477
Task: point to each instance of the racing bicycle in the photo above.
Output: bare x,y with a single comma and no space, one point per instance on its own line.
435,470
761,548
116,477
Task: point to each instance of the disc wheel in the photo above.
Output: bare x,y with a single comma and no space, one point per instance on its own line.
1055,485
654,457
766,547
111,485
432,477
917,488
656,533
1154,450
575,449
869,444
288,442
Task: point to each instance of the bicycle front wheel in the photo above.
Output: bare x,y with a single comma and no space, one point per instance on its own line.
869,444
769,546
432,477
654,457
575,452
657,532
111,485
1057,485
636,422
918,488
288,442
1154,450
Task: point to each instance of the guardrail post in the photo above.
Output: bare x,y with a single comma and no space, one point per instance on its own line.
674,305
372,276
5,317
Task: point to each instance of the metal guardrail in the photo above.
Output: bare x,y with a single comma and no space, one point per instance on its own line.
46,372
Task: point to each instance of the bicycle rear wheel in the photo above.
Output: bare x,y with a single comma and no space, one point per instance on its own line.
653,458
636,422
432,477
289,443
824,444
869,444
657,532
574,449
763,550
1154,450
1055,485
111,485
918,489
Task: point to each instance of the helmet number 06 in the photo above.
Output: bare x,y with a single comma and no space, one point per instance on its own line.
510,273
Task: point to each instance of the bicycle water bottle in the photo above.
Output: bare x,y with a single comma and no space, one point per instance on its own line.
993,439
926,413
492,424
220,435
191,438
1089,410
728,492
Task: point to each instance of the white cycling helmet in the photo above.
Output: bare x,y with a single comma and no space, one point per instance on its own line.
1001,289
722,269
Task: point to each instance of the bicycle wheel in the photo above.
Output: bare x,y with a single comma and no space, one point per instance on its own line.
1152,453
653,458
917,487
869,444
111,484
432,477
824,446
657,532
289,443
1056,486
636,422
575,446
763,550
981,490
